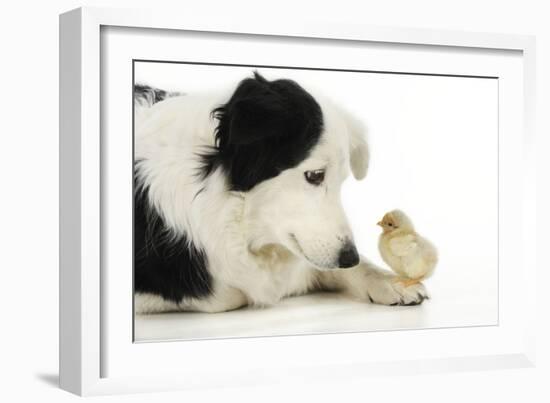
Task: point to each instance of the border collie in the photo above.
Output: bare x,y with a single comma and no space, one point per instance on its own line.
237,200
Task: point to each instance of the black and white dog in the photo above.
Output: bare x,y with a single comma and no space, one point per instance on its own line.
237,200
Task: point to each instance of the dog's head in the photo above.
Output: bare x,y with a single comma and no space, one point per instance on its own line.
289,155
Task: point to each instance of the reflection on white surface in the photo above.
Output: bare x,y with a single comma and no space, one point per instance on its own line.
316,313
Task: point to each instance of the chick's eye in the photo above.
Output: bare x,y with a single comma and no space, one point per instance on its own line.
315,177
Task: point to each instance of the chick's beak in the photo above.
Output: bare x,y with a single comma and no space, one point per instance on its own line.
379,223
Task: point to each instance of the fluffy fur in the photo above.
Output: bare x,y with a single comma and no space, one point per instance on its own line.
407,253
237,201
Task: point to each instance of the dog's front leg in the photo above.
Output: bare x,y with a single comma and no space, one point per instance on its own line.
368,282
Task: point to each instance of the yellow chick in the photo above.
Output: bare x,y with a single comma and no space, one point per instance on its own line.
408,254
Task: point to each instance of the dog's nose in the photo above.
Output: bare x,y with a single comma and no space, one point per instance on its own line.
348,256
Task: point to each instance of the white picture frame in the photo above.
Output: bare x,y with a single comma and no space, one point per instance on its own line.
83,342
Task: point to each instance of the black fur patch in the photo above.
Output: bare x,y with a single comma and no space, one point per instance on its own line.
265,128
145,95
171,268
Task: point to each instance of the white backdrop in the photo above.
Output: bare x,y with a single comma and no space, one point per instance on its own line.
434,154
29,350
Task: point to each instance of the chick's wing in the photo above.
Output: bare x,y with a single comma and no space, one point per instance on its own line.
403,245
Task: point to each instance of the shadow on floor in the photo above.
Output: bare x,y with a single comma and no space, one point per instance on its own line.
49,379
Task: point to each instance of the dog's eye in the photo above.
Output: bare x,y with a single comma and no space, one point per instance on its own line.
315,177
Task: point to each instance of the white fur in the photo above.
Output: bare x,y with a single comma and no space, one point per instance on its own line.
279,239
149,303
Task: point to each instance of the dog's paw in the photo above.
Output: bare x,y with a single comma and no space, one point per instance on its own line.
385,290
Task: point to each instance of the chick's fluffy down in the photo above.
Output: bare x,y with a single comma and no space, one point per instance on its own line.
408,254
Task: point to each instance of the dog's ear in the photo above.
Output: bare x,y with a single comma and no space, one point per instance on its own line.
257,118
358,148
